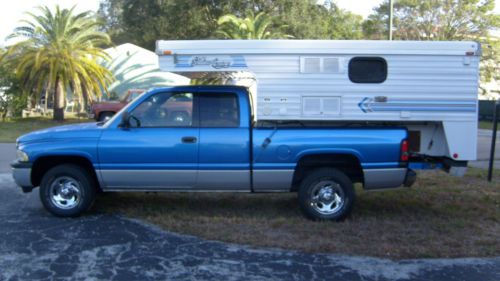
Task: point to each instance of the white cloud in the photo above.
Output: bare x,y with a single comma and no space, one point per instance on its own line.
360,7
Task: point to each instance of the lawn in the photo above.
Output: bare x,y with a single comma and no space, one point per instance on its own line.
441,216
486,125
11,130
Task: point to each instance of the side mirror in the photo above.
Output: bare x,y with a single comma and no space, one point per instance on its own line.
125,120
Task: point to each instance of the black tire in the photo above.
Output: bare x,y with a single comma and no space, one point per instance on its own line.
105,115
76,178
340,186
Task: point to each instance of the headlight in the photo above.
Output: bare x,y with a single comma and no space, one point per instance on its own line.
22,156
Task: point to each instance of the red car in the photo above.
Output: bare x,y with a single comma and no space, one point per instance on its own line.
102,111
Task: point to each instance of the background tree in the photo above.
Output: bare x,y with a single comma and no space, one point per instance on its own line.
253,26
59,52
11,97
442,20
144,22
434,20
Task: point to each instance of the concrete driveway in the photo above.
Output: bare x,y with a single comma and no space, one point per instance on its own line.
7,155
483,150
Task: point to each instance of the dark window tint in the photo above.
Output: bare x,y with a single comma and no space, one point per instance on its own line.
367,70
219,110
165,110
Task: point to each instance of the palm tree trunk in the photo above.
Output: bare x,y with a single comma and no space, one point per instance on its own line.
47,93
59,101
85,100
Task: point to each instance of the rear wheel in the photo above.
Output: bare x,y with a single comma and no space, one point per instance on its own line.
67,190
326,194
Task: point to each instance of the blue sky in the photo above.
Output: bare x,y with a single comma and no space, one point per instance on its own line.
12,14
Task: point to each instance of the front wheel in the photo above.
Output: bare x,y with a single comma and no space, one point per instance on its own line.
326,194
67,190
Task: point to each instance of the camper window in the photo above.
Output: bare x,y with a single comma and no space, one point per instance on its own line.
367,70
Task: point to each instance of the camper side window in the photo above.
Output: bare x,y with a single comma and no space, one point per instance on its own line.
367,70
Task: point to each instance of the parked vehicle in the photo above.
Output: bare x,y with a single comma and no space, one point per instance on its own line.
327,114
102,111
202,138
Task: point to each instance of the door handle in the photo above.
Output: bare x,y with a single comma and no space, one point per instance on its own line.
189,140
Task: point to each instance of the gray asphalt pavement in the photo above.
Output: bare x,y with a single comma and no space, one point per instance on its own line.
37,246
7,155
483,150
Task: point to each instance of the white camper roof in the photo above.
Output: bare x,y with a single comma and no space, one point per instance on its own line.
369,47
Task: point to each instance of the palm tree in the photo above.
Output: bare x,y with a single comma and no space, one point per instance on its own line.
251,27
60,52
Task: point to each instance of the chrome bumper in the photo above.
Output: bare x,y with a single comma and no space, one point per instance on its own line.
21,172
388,178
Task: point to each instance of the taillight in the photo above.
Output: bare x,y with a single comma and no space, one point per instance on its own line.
405,155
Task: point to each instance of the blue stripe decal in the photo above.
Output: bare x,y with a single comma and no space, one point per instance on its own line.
371,105
413,108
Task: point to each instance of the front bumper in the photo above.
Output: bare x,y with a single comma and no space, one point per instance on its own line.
21,172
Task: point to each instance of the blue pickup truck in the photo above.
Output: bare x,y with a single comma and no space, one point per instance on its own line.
203,138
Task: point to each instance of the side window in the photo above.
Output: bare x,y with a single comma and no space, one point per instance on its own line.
164,110
367,70
219,110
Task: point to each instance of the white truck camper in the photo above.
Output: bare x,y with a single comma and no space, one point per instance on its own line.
431,88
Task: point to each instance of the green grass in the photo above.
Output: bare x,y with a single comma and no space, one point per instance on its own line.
487,125
441,216
12,129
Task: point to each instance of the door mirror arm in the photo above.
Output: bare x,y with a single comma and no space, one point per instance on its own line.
125,123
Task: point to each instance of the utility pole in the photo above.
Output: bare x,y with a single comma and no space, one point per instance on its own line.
391,8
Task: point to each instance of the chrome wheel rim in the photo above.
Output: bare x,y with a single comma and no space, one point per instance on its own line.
65,192
327,197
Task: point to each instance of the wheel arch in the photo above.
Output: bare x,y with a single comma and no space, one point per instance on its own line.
43,164
347,163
